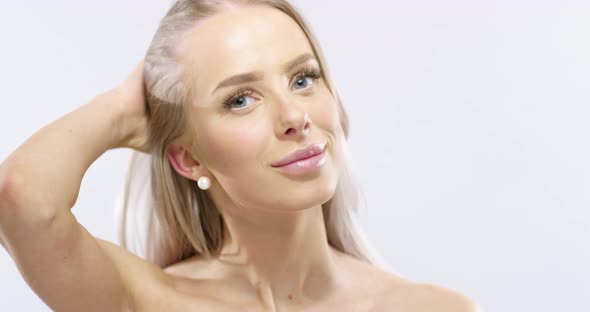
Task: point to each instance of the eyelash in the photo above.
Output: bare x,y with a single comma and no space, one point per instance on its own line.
306,71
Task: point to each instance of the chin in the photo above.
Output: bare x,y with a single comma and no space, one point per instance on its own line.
298,195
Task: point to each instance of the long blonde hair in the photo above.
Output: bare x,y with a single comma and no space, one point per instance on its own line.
165,217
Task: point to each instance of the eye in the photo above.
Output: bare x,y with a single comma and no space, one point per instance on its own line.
242,98
306,77
238,100
303,82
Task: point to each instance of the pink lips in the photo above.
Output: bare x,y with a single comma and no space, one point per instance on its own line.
298,155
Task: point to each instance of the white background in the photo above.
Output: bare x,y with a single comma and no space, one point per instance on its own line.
470,130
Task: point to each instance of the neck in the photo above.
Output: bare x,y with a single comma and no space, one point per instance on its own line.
285,256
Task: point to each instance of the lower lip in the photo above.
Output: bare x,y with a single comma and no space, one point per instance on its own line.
305,165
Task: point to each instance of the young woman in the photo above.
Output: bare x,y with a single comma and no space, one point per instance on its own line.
240,139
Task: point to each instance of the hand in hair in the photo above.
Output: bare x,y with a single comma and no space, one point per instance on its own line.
130,96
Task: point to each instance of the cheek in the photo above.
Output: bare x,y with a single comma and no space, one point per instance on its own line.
326,116
234,146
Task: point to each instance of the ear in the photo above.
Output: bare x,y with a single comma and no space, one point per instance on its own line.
183,162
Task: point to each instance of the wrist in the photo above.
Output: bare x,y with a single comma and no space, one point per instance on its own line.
129,122
108,104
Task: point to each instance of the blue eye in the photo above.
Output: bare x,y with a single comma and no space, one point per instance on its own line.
302,82
310,73
237,101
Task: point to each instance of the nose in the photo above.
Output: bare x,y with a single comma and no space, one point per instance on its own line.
294,121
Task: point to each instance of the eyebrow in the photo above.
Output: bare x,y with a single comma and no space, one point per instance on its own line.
257,75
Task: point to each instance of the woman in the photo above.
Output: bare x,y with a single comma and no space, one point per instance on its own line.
250,206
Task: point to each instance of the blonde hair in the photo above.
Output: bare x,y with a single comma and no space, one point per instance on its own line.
164,216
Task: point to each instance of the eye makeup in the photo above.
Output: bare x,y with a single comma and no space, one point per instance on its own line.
305,71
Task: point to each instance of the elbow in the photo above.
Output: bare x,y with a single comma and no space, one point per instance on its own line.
17,204
11,185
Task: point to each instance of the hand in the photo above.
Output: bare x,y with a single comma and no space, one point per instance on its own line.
131,102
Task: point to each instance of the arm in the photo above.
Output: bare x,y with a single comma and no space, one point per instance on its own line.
39,184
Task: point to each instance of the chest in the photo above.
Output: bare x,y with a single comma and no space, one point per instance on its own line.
213,299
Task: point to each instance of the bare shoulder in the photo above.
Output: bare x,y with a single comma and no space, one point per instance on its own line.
428,297
131,266
145,280
410,296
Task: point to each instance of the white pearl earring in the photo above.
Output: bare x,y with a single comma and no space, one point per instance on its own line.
204,183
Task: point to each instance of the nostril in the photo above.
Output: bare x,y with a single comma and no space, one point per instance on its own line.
289,131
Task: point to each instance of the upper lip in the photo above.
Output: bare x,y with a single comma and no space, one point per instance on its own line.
309,151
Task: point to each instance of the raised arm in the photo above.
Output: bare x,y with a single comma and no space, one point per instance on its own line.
39,184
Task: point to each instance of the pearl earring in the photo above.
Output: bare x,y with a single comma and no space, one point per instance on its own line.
204,183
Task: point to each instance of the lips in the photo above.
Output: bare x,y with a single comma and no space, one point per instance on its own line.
300,154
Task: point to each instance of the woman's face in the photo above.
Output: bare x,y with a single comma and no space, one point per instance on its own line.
241,127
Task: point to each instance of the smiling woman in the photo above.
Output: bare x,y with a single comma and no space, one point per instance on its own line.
241,171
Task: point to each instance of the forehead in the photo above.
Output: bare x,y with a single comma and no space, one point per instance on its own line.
256,38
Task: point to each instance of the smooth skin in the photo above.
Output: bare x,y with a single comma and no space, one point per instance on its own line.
276,258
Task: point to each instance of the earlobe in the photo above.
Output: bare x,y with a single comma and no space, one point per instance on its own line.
182,161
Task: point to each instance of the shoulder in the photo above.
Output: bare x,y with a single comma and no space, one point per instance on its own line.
144,280
132,266
410,296
443,299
